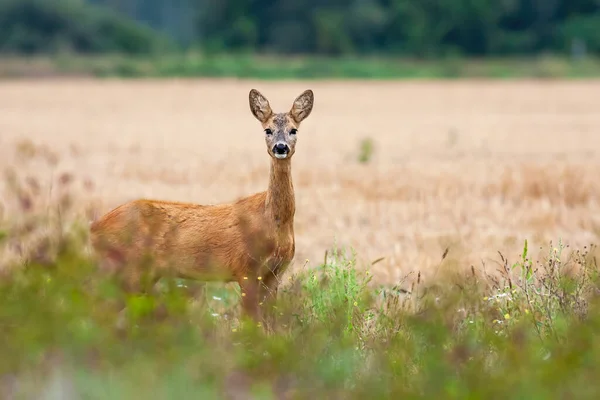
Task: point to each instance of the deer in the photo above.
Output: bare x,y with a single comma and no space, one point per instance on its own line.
249,241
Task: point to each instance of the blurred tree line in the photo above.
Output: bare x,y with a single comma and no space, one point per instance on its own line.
419,28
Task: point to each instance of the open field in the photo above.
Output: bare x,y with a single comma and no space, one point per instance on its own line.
399,172
476,167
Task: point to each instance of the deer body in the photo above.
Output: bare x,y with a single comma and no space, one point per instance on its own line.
250,241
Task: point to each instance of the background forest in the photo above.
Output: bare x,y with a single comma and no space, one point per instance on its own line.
424,29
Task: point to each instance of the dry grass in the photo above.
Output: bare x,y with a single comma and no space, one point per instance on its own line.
475,167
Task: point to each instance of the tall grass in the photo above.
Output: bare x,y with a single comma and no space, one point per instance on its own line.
524,328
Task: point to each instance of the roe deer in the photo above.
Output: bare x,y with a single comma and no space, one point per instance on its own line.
250,241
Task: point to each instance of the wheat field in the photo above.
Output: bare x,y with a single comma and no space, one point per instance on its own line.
475,167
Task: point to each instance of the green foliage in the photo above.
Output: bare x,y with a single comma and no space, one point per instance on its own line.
401,27
40,26
437,29
583,29
530,332
271,67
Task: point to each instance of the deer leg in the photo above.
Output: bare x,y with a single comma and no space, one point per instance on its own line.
268,296
127,277
268,288
250,297
132,275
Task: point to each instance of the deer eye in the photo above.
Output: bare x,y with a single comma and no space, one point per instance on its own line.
268,131
293,131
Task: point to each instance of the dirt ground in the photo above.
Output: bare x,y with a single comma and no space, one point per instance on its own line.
473,166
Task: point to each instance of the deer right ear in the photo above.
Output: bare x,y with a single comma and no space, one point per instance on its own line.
259,105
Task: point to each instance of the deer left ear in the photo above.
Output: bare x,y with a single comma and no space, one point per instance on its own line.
302,106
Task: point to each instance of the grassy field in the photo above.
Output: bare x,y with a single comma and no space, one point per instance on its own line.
270,67
467,212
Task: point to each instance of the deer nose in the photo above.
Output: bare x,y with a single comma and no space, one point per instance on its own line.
281,148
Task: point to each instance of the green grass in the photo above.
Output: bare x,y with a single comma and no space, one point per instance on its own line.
530,331
310,67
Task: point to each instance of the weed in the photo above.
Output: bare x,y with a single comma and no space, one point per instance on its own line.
366,150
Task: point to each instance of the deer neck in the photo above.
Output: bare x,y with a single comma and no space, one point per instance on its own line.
280,203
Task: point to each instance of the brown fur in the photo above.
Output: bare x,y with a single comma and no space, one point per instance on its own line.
250,241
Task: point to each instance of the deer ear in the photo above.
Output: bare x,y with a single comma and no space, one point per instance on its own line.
259,105
302,106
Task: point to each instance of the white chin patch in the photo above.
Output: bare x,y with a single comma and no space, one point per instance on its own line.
280,156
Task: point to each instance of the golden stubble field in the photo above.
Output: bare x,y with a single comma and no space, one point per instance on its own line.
472,166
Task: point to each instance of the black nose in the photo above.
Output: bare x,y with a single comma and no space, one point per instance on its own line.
281,148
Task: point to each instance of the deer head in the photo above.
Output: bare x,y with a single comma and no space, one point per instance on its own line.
281,128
